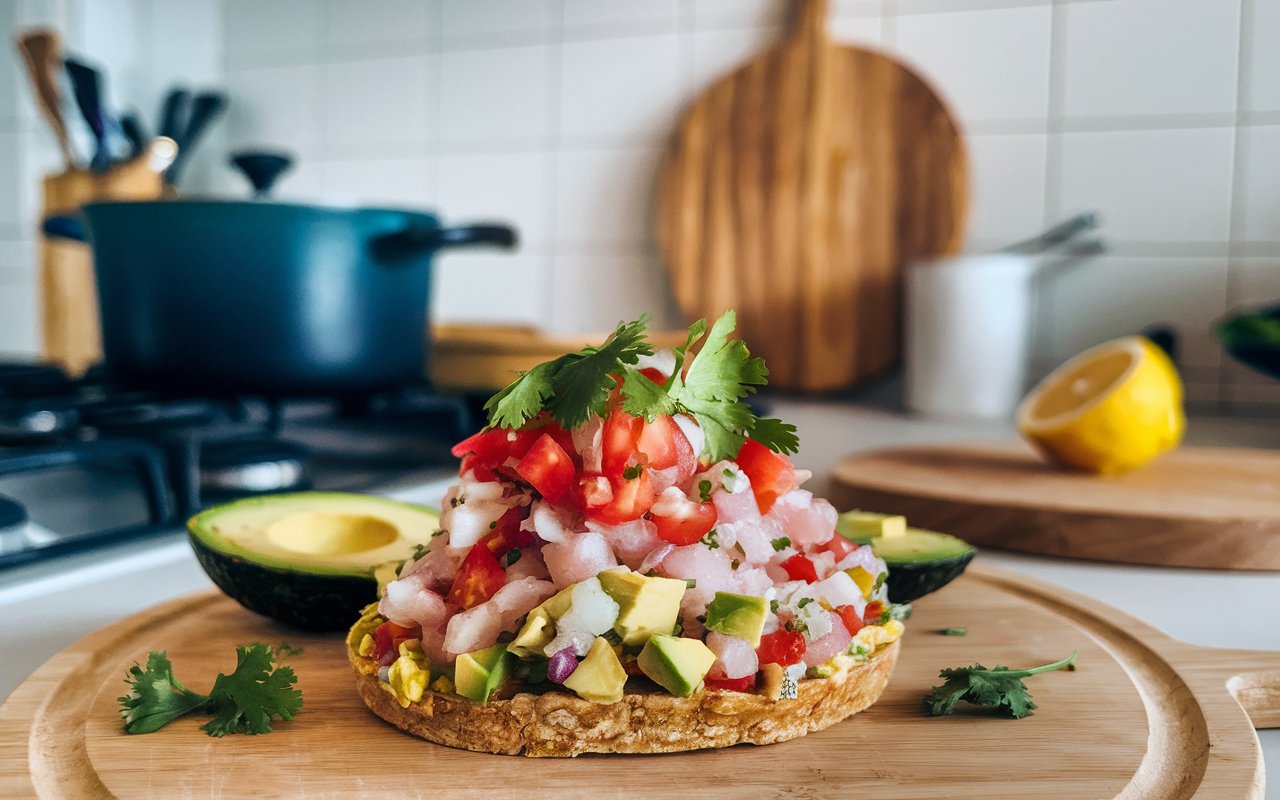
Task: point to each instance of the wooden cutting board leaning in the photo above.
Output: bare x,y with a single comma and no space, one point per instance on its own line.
1143,716
1194,507
797,188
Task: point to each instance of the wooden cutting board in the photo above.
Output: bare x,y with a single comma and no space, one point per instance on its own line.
485,358
796,189
1144,716
1195,507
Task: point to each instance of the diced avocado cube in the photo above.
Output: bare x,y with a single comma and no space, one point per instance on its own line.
862,526
599,677
538,631
737,615
646,605
675,663
477,674
558,604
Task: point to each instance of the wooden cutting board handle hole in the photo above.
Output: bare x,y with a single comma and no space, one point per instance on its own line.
1259,694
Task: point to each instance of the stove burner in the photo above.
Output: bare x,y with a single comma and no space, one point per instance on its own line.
186,453
26,423
253,465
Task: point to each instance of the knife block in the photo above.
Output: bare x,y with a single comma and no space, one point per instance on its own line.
71,334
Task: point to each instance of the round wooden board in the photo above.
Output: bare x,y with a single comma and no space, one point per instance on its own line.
1142,717
1195,507
797,188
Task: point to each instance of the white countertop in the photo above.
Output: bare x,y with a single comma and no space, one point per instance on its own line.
47,607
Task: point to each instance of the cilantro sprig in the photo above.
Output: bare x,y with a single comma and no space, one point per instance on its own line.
246,701
709,385
999,688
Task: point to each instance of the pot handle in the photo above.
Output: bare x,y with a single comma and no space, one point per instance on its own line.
63,227
417,239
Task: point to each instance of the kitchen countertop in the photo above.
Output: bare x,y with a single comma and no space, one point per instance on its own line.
60,602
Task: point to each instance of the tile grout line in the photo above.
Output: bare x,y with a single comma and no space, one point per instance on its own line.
1239,180
1043,334
554,111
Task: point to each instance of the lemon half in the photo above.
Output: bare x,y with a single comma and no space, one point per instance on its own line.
1110,409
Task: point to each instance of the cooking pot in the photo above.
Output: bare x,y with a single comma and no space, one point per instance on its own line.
276,299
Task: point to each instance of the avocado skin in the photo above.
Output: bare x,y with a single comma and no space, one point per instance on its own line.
302,600
908,582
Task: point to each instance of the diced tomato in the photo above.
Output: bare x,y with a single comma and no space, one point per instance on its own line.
631,499
850,617
732,684
387,638
506,534
658,442
547,468
486,452
654,374
839,546
688,525
472,463
871,614
519,441
800,568
487,445
772,474
621,434
781,647
565,440
479,577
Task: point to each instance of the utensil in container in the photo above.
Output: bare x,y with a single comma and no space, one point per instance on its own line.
42,52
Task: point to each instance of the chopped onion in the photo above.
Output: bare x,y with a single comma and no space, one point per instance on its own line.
652,560
689,427
561,665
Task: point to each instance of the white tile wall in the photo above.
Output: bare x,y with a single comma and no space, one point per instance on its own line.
620,90
496,95
1151,185
1163,115
969,55
1151,57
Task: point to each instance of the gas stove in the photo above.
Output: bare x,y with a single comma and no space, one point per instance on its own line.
85,462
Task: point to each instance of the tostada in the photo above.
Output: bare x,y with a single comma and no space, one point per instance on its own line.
627,563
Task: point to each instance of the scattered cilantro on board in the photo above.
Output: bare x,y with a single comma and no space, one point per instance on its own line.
999,688
246,701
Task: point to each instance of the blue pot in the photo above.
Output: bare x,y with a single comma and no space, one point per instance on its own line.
236,297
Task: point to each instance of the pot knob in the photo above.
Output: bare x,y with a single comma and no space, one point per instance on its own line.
262,169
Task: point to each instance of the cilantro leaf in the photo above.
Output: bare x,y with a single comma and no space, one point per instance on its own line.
585,380
155,697
573,386
776,435
714,384
642,397
243,702
523,398
246,700
998,688
709,385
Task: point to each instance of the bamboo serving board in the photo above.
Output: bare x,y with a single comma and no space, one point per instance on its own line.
797,188
1144,716
1195,507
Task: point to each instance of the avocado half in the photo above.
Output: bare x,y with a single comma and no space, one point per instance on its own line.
307,559
920,562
